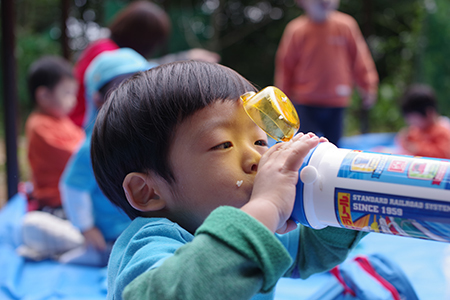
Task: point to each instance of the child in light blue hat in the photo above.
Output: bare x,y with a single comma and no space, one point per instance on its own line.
85,205
109,66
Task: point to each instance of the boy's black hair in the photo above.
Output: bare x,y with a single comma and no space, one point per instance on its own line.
47,71
418,98
136,125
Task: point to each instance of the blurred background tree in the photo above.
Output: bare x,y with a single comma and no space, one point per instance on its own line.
408,39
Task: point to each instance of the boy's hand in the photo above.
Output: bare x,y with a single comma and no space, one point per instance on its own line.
273,194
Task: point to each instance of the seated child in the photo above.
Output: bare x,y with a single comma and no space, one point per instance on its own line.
174,148
428,133
85,205
52,138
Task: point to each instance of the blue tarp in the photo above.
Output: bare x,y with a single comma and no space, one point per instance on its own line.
28,280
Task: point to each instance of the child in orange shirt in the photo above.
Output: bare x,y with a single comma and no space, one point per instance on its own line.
322,54
428,133
52,137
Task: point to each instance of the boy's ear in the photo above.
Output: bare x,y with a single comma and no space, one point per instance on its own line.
141,193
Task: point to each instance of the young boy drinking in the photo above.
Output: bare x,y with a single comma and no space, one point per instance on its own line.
174,148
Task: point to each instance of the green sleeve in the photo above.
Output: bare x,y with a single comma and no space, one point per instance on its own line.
321,250
233,256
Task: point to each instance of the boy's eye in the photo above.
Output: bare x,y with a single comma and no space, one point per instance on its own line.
225,145
262,143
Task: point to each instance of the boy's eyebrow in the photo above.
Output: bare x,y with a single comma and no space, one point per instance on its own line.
212,124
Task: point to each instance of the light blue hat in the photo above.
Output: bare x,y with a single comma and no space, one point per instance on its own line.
105,67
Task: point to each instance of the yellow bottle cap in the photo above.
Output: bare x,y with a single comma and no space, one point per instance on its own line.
271,110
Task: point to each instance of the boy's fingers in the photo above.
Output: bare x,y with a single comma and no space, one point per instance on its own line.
278,147
300,149
322,139
297,136
293,152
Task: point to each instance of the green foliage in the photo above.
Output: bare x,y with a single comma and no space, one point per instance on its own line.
392,31
29,47
245,33
34,23
433,64
37,16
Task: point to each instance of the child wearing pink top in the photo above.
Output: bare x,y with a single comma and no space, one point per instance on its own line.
322,54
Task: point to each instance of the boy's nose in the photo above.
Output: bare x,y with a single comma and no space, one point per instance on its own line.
251,160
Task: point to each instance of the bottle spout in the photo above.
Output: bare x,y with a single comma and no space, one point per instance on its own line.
272,110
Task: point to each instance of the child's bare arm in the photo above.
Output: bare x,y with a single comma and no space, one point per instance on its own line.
274,189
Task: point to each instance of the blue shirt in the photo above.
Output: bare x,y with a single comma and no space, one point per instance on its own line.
108,218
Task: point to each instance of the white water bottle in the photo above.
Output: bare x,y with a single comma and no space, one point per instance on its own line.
376,192
360,190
